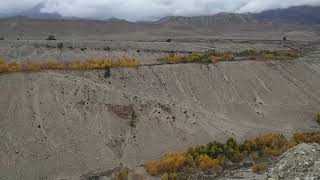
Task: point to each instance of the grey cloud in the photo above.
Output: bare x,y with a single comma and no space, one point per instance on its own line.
148,9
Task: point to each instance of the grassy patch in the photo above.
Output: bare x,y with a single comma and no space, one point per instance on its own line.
81,65
213,156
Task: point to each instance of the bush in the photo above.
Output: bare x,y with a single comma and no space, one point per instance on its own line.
318,118
260,167
107,73
171,163
122,174
51,38
310,137
205,163
1,38
60,45
169,40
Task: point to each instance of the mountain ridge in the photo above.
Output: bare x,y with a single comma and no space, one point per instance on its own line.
295,14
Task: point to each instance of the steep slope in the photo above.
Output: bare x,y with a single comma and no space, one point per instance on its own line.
62,124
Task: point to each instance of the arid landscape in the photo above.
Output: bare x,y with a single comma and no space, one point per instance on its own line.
230,76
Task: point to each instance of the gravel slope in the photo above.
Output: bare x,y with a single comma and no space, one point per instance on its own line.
62,124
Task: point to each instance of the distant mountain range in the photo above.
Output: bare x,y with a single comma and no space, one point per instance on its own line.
296,15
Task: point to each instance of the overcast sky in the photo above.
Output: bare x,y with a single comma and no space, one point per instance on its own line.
137,10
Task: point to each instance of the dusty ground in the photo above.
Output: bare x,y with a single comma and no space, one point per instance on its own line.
63,124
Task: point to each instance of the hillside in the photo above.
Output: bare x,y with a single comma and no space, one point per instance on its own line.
67,123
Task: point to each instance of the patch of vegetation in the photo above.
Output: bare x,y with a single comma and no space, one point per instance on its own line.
260,167
107,73
318,118
213,56
51,38
60,46
204,57
77,65
284,38
214,156
133,120
278,55
247,52
122,174
1,38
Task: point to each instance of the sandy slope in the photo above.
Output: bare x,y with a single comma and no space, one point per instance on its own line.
61,124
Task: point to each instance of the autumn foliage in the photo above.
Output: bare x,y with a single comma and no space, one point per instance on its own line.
201,57
81,65
214,155
213,56
171,163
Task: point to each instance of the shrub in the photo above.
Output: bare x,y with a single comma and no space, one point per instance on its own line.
107,73
260,167
171,163
165,176
317,118
205,163
169,40
122,174
310,137
60,45
1,38
51,38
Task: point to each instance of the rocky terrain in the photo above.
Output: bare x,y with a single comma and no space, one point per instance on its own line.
301,162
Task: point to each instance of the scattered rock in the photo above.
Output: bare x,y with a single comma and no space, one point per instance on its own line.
300,162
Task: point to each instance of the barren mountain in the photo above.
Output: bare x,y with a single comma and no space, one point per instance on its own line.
266,25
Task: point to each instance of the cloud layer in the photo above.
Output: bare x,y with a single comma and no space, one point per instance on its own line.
138,10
